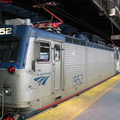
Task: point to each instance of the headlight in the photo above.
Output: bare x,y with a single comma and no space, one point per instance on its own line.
7,91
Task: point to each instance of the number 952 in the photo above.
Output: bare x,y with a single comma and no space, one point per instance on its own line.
78,80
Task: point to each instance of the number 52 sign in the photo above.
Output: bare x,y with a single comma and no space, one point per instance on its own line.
6,31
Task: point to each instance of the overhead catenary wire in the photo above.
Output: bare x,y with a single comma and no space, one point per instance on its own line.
73,18
80,22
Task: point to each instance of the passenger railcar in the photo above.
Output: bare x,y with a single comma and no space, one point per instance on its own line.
117,52
39,69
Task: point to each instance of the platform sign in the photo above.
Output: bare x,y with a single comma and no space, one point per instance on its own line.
115,37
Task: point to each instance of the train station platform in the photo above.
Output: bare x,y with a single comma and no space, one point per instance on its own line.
101,102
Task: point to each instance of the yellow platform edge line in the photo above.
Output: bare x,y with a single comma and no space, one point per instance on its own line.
71,108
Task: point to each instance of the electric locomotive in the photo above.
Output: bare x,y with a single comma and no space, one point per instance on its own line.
39,69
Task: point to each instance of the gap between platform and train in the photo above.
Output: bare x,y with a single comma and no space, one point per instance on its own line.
71,108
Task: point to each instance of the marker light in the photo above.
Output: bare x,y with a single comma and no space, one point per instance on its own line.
11,69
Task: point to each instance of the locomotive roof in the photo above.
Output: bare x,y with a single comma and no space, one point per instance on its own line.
26,31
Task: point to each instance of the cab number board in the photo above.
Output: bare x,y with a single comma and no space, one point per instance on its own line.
6,31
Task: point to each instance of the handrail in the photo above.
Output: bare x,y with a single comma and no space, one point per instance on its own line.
2,107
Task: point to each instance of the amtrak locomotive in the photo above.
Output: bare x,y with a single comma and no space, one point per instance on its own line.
39,69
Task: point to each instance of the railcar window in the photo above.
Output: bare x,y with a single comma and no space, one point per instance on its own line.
83,43
68,40
57,52
75,41
9,50
44,52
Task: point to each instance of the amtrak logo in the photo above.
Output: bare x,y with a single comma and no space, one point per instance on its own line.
42,80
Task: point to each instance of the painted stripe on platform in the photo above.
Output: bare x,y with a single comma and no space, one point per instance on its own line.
71,108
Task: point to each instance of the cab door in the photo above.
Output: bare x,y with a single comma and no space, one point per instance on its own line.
57,65
43,75
48,62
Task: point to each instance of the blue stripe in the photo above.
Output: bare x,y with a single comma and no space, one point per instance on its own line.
23,33
43,83
42,79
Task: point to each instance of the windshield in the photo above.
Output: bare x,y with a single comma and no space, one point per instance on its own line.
9,50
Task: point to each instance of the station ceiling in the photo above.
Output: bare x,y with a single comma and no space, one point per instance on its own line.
79,15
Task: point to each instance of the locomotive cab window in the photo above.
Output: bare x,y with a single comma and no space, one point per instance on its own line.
57,52
9,50
44,52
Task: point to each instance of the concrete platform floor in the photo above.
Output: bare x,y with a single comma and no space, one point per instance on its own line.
106,108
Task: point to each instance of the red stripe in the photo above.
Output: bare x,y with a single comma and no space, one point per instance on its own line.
72,95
